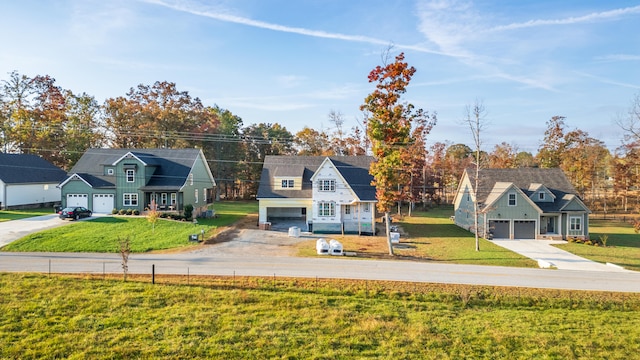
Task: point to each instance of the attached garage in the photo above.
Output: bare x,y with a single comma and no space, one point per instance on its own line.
103,203
78,200
524,229
500,228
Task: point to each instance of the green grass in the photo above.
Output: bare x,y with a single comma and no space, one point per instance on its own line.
103,234
623,244
7,215
71,318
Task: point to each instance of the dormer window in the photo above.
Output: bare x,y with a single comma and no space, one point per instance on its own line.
131,175
327,185
541,196
110,171
287,183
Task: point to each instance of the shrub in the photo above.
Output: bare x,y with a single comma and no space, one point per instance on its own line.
114,211
129,211
188,212
136,212
122,211
164,215
603,239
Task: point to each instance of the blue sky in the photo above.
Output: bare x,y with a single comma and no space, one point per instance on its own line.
292,62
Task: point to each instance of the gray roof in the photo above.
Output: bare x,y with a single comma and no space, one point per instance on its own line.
553,179
172,165
27,168
354,169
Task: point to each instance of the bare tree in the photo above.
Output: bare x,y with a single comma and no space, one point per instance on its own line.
475,119
124,247
630,122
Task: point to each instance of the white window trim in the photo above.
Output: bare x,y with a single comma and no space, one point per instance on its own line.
515,199
327,185
347,209
133,175
575,226
329,211
541,195
196,195
132,199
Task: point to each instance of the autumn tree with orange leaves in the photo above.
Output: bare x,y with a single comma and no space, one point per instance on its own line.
391,129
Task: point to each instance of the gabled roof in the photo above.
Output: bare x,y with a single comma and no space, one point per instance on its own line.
354,169
28,168
172,165
528,180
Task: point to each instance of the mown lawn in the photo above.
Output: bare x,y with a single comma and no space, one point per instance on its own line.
623,244
428,235
6,215
74,318
103,234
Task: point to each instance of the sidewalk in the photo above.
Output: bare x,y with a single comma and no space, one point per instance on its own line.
543,252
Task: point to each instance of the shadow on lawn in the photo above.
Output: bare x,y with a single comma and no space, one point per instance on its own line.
108,220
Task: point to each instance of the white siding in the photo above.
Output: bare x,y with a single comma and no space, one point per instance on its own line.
341,196
30,194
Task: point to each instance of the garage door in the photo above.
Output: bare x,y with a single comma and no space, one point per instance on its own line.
78,200
500,228
524,229
103,203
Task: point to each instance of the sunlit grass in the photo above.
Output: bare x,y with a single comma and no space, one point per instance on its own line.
6,215
64,317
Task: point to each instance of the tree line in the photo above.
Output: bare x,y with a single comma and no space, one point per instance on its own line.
39,117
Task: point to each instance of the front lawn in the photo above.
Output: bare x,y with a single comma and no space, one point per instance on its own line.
103,234
428,235
623,244
6,215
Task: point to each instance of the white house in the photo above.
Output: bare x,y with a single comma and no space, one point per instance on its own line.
327,194
28,181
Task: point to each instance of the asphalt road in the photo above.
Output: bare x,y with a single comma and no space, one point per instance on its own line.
322,267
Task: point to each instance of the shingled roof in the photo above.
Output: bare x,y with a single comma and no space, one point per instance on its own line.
553,179
173,165
354,169
28,168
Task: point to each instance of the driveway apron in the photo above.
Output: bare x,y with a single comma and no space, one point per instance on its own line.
543,252
13,230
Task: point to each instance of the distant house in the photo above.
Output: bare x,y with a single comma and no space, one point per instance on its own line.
28,180
107,179
525,203
325,194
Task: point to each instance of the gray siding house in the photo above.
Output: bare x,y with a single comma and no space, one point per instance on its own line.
524,203
107,179
28,180
325,194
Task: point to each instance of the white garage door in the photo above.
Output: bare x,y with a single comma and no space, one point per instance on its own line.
103,203
78,200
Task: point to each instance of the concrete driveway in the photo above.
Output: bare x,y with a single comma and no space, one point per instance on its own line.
546,254
15,229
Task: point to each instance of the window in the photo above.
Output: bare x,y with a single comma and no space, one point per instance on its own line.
326,208
204,196
163,199
130,199
540,196
366,207
191,179
347,209
287,184
196,195
327,185
46,187
173,198
109,171
575,223
131,175
512,199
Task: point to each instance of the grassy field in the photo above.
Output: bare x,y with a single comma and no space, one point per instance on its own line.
102,234
623,244
80,318
432,236
6,215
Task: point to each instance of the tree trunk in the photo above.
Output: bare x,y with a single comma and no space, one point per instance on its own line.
387,220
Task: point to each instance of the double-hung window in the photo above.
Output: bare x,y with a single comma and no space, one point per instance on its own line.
575,223
130,199
327,185
326,208
512,199
131,175
287,184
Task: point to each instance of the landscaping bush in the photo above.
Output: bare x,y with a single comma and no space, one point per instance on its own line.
114,211
136,212
188,212
129,211
122,212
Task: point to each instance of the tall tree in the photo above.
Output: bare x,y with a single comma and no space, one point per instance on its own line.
389,128
476,121
550,151
312,142
503,156
630,122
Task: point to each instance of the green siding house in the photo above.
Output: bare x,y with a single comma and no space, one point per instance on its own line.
107,179
525,203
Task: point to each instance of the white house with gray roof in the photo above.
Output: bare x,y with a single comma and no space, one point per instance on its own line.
524,203
28,180
107,179
327,194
